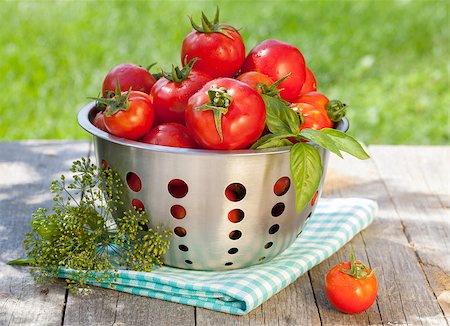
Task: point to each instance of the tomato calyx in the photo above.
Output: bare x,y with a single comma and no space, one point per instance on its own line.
219,101
357,269
212,26
178,75
117,103
273,90
336,110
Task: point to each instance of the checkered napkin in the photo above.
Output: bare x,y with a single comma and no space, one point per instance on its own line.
334,223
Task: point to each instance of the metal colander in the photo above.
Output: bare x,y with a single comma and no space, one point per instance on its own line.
227,209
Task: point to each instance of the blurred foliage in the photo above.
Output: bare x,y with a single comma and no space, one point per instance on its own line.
388,60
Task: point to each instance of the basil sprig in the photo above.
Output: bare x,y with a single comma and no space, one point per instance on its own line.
305,162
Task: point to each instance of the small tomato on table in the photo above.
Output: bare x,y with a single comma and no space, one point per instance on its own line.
351,287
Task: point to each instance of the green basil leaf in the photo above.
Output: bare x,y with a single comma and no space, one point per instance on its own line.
347,143
272,141
261,141
279,117
306,172
275,142
321,139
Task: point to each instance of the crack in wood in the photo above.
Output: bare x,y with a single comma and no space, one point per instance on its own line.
66,296
115,310
315,298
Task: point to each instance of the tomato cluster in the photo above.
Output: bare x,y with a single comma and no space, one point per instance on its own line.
214,100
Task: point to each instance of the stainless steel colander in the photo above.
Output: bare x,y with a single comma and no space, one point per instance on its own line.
227,209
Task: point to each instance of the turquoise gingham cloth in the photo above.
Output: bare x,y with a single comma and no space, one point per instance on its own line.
333,224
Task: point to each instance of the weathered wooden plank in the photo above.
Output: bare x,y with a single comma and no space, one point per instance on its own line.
26,171
108,307
136,310
404,293
95,308
418,181
292,306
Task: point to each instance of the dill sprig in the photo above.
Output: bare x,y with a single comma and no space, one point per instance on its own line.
86,234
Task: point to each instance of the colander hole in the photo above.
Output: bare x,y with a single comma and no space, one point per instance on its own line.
232,251
236,215
187,261
183,248
268,245
278,209
229,263
281,186
137,204
313,200
262,258
177,188
235,192
180,231
309,215
235,234
178,211
299,233
134,182
274,229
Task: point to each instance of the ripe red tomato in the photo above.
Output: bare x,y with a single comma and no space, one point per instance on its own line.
314,98
313,117
170,134
171,93
219,48
99,121
351,287
241,120
130,117
254,78
312,106
128,75
277,59
310,84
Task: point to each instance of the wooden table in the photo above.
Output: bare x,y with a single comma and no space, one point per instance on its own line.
408,244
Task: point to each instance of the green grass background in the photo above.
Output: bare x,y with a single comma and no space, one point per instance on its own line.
388,60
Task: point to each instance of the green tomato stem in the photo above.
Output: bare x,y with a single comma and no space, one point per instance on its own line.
219,101
336,110
357,269
179,75
212,27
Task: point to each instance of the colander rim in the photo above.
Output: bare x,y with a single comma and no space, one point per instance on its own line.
88,110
